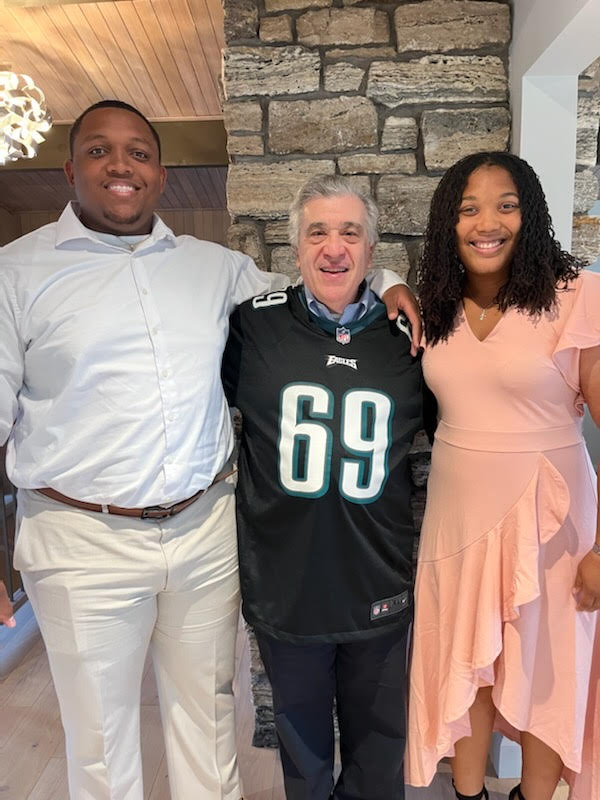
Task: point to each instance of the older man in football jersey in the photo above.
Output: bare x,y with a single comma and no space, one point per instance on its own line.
331,398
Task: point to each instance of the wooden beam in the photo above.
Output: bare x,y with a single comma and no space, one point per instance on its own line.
198,143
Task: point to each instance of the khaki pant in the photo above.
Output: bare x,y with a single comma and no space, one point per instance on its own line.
104,589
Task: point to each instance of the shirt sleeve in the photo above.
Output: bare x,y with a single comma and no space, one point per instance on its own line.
380,280
250,281
11,357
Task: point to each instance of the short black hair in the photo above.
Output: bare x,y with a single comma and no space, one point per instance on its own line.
539,265
111,104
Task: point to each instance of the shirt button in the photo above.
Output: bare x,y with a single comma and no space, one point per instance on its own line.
165,373
144,291
155,330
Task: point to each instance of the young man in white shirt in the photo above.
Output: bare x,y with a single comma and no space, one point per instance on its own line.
111,335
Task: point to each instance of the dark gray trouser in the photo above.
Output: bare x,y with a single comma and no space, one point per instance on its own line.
368,681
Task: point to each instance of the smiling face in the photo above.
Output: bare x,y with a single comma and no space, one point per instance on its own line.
333,252
115,171
489,221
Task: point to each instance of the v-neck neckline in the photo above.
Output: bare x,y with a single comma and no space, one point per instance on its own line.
472,332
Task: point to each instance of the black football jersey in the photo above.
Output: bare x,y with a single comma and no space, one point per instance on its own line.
329,413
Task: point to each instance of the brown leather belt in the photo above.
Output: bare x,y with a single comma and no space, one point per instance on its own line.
150,512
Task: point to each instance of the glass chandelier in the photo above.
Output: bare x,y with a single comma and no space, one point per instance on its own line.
23,116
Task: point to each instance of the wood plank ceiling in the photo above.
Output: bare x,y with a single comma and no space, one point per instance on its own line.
162,56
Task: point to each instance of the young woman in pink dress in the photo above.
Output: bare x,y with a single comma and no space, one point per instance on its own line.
508,582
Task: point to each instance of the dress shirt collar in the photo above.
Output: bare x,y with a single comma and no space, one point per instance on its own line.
69,228
353,311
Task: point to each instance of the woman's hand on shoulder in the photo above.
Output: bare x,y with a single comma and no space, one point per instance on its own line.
587,583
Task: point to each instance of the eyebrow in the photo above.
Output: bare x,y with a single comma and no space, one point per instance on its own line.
102,136
504,194
317,225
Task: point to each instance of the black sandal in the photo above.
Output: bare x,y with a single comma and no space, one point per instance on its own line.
483,794
516,794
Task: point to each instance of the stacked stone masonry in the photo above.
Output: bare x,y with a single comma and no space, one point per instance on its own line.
586,229
388,93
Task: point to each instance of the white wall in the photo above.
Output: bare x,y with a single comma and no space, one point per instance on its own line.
553,41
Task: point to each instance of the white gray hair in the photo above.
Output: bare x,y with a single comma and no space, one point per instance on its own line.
330,186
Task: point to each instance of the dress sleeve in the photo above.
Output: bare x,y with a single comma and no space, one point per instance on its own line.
580,330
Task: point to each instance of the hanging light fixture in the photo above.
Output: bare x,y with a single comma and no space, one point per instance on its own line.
23,116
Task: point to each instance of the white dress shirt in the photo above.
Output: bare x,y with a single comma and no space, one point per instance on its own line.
110,359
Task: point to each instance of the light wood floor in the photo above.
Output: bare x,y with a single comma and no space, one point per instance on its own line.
32,754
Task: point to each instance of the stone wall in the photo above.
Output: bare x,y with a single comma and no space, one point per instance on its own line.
390,93
586,230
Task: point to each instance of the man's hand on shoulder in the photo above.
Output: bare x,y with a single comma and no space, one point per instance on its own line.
400,298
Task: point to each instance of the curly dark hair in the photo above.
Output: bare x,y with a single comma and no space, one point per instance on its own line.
539,265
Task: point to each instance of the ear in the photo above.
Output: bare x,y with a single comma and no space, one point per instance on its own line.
68,170
371,251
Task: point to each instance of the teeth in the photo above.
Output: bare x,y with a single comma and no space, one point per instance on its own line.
487,245
121,188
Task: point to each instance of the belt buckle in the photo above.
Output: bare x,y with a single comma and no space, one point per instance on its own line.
156,512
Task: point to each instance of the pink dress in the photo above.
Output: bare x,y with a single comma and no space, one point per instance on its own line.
511,510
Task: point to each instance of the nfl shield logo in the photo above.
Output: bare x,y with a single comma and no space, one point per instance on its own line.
342,335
